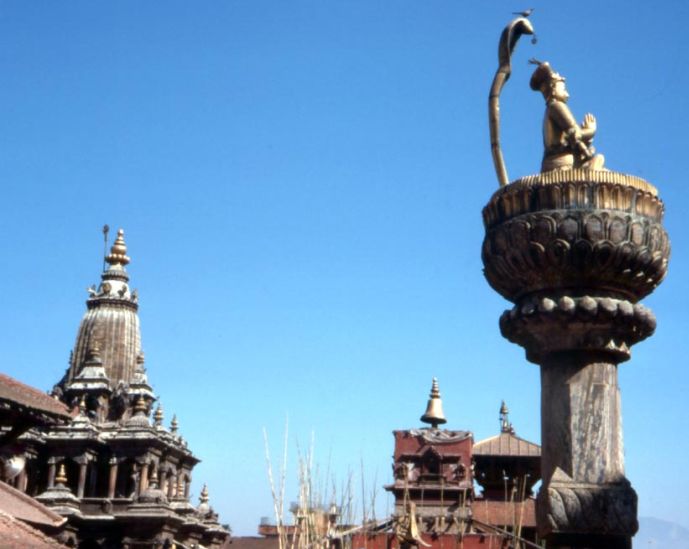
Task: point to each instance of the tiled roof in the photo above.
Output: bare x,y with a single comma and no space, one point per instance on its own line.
500,513
15,534
506,444
26,508
16,392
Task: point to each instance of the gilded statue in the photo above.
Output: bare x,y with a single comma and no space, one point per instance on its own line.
508,42
566,143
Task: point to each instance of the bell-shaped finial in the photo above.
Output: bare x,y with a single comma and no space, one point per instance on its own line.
118,252
434,409
140,406
61,477
174,424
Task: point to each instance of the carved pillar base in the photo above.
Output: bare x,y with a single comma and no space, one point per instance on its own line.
573,514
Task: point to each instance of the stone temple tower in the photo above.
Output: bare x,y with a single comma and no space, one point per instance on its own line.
121,477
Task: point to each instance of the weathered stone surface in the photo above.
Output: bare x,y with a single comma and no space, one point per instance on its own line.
575,251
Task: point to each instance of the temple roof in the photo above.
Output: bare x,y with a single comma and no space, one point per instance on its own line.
506,444
24,507
18,397
14,533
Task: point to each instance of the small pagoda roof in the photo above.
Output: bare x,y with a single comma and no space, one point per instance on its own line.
16,397
508,445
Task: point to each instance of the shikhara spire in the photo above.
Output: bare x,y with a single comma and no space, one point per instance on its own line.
110,326
112,452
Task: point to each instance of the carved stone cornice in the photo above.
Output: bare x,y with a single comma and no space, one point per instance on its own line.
573,189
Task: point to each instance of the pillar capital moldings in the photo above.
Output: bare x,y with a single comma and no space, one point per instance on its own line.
563,324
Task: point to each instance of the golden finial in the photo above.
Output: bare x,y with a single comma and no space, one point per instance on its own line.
203,498
82,404
158,416
505,425
140,405
93,351
434,409
174,424
118,252
61,477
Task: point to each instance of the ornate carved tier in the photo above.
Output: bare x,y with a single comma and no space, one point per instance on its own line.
575,233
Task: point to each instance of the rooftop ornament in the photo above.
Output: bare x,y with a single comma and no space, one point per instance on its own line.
434,415
118,252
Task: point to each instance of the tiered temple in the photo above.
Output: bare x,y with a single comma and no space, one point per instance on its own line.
121,479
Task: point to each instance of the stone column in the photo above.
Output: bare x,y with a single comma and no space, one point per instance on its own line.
143,481
83,465
51,471
575,251
23,478
112,477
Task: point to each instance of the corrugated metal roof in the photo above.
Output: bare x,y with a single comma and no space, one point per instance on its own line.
506,444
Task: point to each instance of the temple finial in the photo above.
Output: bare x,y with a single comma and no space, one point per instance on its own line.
174,424
140,406
434,409
93,352
203,498
61,477
505,425
118,252
158,416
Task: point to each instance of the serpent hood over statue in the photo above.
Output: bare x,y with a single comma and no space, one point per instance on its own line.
575,248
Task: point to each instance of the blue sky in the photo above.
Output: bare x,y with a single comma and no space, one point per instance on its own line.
301,185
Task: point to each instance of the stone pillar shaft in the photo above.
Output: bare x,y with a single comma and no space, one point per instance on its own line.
51,474
581,431
143,481
112,479
82,479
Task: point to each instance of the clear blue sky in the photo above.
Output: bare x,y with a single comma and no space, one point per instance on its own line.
301,185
